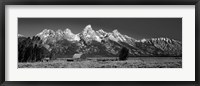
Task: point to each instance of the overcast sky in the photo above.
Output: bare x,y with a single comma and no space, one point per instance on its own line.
137,28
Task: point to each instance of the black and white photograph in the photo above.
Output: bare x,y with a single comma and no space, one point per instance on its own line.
99,43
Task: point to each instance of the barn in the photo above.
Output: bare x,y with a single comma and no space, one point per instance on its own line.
77,57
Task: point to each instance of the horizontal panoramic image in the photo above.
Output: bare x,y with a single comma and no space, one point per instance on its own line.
99,42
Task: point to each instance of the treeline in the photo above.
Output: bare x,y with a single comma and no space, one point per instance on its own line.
31,49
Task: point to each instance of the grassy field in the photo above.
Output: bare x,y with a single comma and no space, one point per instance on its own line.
132,62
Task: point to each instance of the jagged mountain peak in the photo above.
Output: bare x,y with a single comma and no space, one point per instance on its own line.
46,32
89,34
142,40
88,28
117,36
67,30
161,39
101,33
101,42
20,35
59,32
116,32
101,30
158,40
127,36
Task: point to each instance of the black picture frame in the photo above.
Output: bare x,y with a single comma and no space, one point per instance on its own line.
98,2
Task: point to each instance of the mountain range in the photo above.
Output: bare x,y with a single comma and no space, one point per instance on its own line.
102,43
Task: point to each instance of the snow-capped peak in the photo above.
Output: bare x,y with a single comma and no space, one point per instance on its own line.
60,32
101,33
20,35
101,30
116,36
143,40
68,30
71,36
88,30
116,32
88,27
89,34
48,30
46,33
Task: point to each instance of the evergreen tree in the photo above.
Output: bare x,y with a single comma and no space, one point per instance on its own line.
123,54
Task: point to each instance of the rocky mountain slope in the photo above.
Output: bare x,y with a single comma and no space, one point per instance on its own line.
102,43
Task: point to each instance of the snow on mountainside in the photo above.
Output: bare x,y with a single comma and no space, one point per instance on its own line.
20,35
117,36
88,34
160,46
70,36
91,42
48,35
101,33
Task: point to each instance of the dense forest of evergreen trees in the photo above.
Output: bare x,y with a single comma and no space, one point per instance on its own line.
31,49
